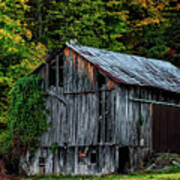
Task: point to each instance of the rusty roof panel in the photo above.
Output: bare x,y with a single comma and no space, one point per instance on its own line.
131,69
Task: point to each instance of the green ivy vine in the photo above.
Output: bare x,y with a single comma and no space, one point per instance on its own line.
27,114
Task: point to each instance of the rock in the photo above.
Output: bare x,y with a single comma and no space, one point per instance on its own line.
152,166
166,167
176,163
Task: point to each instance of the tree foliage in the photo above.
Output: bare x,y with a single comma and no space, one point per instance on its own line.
18,53
94,23
143,27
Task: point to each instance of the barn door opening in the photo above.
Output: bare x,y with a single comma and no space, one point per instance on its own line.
166,128
123,160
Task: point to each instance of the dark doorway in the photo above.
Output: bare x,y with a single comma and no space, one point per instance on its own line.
52,74
123,160
61,71
166,128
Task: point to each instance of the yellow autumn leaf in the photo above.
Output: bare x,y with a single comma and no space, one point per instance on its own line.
148,21
25,24
10,37
160,6
3,5
17,39
150,2
178,7
24,1
111,3
18,23
12,49
1,31
8,19
29,34
119,35
156,21
6,34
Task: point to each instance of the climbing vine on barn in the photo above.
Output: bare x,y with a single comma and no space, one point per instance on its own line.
27,112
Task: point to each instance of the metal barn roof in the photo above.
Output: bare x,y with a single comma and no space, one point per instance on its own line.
131,69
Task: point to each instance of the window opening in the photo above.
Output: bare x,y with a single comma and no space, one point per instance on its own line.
52,74
93,157
101,80
42,164
61,73
82,155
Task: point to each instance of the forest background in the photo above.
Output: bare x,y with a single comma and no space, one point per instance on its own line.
30,29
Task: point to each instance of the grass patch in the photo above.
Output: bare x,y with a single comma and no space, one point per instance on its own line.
171,173
170,170
172,176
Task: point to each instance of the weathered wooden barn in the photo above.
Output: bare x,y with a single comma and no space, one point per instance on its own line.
107,110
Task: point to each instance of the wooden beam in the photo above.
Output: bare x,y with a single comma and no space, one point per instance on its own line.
49,93
154,102
86,92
